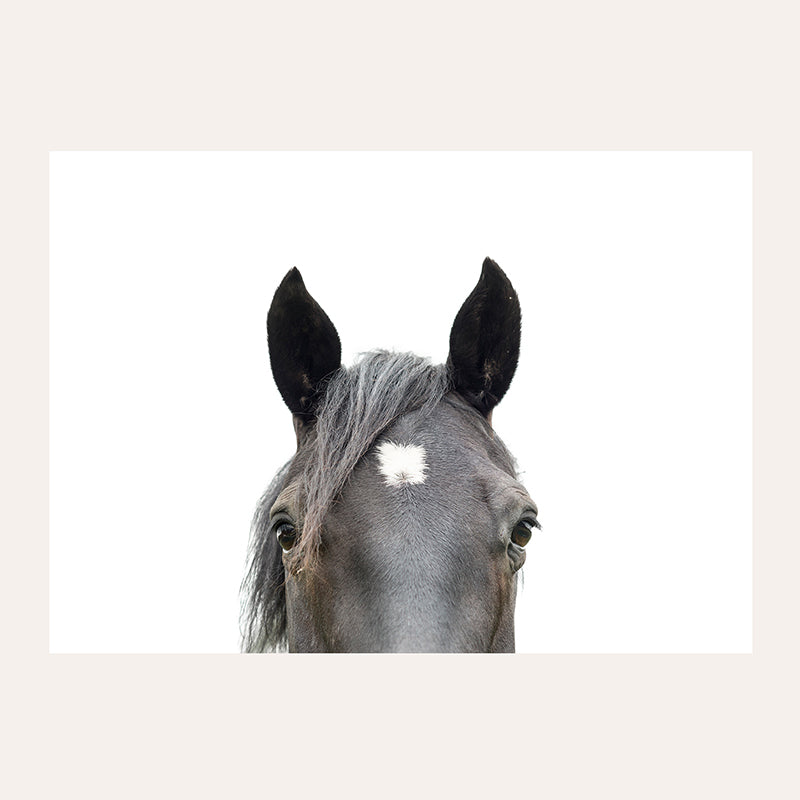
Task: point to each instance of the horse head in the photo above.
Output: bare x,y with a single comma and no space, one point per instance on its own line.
400,524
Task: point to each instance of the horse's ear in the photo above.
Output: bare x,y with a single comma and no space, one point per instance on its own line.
484,340
304,347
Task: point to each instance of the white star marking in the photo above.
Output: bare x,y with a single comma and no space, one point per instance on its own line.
402,463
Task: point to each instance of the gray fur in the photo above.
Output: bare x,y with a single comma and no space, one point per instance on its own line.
424,567
358,404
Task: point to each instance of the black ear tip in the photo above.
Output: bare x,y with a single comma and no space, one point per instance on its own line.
492,273
291,286
292,278
494,279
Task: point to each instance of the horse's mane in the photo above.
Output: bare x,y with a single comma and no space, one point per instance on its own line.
358,404
263,618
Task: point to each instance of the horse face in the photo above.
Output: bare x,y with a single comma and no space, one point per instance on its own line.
421,551
411,536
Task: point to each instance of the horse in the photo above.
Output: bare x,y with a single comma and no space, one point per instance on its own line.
400,523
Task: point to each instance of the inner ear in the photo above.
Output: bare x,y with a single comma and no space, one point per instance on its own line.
304,347
484,340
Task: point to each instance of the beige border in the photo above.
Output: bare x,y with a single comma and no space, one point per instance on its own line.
425,76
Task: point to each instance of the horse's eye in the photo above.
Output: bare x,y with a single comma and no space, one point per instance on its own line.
287,535
522,532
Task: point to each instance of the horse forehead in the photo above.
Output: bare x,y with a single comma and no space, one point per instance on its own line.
417,440
427,461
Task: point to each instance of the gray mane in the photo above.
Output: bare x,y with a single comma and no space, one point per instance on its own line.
263,616
359,403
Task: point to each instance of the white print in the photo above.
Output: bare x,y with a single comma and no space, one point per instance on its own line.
402,463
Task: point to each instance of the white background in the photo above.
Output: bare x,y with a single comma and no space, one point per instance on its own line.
630,413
